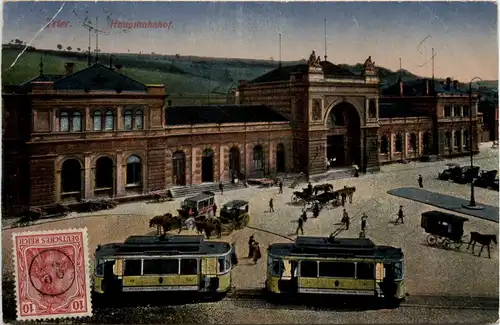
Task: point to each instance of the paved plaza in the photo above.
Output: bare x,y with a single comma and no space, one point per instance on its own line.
429,271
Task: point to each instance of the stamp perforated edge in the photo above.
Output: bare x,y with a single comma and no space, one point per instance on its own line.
87,269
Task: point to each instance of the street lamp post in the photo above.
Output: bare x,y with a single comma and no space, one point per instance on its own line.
472,203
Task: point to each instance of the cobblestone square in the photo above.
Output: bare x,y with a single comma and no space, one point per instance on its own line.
428,270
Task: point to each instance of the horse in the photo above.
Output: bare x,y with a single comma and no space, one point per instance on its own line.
158,222
484,240
208,226
165,222
349,191
323,187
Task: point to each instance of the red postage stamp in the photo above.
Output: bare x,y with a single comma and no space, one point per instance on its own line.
52,274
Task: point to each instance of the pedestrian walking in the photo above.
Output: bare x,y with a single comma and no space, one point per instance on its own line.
343,196
256,253
251,241
234,258
400,215
309,188
316,210
300,226
215,209
363,222
271,206
221,188
345,219
304,216
420,181
281,187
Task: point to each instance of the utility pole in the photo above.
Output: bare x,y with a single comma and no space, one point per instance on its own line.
279,65
325,41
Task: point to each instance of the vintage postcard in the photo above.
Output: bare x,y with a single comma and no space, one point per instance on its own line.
52,274
250,162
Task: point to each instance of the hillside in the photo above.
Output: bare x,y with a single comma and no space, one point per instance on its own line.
185,76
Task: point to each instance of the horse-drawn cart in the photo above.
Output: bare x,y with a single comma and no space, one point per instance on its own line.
305,196
443,228
233,216
97,205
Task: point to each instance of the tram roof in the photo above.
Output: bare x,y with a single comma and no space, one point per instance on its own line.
168,245
338,247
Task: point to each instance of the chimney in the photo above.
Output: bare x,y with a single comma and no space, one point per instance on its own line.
448,83
69,68
401,87
455,84
118,67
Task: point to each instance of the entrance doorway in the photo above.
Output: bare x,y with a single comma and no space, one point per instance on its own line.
335,151
280,158
234,162
179,162
207,166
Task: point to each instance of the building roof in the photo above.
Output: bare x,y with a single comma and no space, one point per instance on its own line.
215,114
419,88
283,73
98,77
395,110
94,77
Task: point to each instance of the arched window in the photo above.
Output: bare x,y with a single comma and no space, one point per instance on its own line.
399,142
413,142
133,171
70,121
447,142
384,145
372,109
258,158
133,120
138,119
456,139
109,121
97,119
64,122
128,119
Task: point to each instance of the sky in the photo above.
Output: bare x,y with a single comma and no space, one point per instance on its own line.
463,34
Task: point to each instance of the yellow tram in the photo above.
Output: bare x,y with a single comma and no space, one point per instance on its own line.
170,263
336,266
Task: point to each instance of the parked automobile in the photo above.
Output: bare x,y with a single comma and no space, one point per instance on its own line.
451,173
486,178
468,174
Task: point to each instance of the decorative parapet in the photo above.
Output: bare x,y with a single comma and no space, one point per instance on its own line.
405,120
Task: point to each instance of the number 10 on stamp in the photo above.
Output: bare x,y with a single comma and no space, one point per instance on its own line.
52,274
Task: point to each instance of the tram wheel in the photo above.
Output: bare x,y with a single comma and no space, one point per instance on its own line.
431,240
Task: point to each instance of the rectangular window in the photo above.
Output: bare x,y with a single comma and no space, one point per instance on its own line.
128,122
132,267
447,110
109,123
189,266
97,122
224,263
365,271
163,266
138,120
309,269
64,123
336,269
77,123
466,111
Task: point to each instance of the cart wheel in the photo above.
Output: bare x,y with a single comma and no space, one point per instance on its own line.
294,199
95,206
446,244
457,244
431,240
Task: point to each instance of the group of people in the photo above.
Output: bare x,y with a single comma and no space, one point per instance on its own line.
254,250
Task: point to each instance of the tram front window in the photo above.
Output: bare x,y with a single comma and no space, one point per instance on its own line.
101,265
398,270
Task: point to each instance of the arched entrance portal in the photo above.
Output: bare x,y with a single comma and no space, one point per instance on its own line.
280,158
71,180
104,177
179,163
343,140
207,166
234,162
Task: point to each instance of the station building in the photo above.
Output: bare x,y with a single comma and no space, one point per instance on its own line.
97,133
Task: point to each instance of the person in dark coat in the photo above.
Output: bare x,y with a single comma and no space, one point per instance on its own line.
251,241
281,187
271,206
363,222
343,196
304,215
420,181
400,215
300,226
234,258
316,210
221,188
215,209
309,189
256,253
345,218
